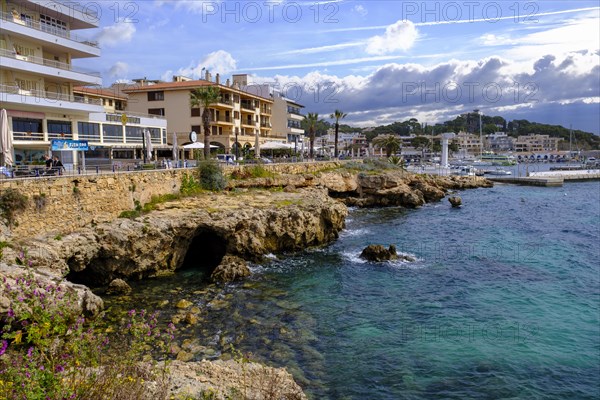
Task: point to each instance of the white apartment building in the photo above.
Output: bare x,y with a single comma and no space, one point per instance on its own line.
38,45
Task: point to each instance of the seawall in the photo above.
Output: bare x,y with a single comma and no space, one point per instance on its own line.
62,205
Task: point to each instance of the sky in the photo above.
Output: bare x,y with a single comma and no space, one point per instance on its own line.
377,61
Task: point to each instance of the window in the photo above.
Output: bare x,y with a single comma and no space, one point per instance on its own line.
27,125
88,131
110,102
59,127
236,114
156,96
196,128
156,111
113,133
53,25
25,84
195,112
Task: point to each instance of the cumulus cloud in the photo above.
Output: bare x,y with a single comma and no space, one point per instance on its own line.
119,33
219,61
119,70
398,36
440,92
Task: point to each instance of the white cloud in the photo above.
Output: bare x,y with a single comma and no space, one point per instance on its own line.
399,36
395,92
119,33
360,10
118,70
217,62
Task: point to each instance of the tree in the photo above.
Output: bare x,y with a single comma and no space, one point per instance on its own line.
420,142
205,97
337,115
390,143
311,122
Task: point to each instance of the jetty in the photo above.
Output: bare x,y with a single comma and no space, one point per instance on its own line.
550,178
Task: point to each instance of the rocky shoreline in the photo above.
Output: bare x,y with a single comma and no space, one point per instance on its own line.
255,217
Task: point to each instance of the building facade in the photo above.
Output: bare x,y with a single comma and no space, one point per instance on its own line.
238,116
536,144
37,49
41,88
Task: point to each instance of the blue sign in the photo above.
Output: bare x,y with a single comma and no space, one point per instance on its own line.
80,145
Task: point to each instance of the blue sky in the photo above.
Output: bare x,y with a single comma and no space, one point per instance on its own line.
379,61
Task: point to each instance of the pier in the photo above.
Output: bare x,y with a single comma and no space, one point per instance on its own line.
550,178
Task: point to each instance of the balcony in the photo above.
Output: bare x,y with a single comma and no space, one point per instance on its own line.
222,120
248,123
223,102
41,98
266,125
38,26
47,63
265,110
249,107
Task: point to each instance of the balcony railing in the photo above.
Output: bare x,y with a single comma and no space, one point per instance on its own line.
47,29
49,63
42,94
248,107
225,101
222,119
265,125
29,136
265,110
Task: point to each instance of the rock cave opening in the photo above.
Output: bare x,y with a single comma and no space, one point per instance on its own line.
205,252
92,276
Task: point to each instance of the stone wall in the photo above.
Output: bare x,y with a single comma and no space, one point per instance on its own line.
73,202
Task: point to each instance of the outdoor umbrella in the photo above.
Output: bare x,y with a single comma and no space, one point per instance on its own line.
198,145
148,140
175,150
6,147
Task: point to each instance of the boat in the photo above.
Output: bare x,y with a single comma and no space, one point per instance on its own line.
497,172
496,159
465,171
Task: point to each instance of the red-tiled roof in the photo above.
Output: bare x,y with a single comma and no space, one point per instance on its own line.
136,88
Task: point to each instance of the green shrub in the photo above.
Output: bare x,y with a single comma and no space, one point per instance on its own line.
12,202
48,351
189,185
211,176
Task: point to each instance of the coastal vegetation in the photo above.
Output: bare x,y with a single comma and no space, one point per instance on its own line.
337,115
12,202
311,122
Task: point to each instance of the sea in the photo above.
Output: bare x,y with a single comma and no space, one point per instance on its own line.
501,302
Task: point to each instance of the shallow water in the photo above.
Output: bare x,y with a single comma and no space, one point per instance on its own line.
502,302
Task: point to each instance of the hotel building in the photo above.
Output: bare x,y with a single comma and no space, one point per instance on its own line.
38,45
238,117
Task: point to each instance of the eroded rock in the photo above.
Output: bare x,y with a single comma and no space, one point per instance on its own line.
230,269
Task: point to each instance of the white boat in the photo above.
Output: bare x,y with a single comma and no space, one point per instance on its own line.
467,170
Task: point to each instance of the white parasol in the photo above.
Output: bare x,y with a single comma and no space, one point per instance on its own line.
6,146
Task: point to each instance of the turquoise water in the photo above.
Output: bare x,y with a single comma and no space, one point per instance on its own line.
503,302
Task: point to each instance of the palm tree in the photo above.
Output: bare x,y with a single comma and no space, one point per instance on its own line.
311,120
205,97
390,143
337,115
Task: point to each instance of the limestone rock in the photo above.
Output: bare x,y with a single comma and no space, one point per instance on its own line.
255,380
118,286
230,269
183,304
455,201
378,253
87,302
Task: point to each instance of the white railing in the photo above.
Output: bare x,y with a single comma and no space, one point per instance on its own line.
49,63
42,94
37,25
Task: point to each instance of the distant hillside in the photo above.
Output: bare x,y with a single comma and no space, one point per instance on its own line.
470,123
